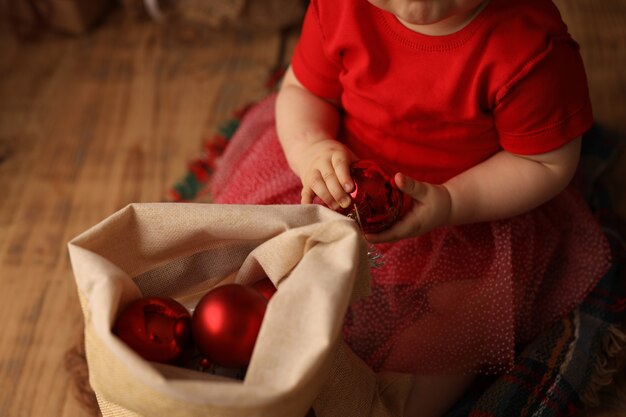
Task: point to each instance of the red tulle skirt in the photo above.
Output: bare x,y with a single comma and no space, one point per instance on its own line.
456,300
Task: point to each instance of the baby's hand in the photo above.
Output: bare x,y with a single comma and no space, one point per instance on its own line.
324,169
431,208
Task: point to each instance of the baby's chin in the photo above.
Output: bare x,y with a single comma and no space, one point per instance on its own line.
435,23
421,21
429,26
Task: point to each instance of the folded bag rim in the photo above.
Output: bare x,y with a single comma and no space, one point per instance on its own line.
104,267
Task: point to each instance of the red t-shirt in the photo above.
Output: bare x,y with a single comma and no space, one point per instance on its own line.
432,107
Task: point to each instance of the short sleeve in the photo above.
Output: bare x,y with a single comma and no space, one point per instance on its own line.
311,64
548,105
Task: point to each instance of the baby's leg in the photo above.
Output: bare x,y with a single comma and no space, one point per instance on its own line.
433,395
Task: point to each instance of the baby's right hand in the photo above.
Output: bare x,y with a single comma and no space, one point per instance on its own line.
324,169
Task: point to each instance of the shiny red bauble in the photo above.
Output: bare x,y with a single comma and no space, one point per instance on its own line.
157,328
226,323
266,287
376,198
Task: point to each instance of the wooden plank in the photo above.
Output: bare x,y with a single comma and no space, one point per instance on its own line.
88,125
44,323
599,28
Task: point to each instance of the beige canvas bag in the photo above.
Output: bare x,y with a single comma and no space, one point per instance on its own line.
314,256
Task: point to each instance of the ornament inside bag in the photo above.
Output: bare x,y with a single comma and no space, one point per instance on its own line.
157,328
226,323
217,337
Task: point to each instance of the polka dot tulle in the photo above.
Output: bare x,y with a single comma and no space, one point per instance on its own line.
456,300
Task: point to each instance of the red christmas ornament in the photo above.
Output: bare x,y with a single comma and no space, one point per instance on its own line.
266,287
375,197
157,328
226,323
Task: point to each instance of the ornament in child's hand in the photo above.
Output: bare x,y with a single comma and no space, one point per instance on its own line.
376,201
226,323
157,328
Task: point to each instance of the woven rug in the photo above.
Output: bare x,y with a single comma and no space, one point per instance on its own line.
568,367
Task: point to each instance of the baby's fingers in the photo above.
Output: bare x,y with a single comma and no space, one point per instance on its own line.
415,189
341,165
327,187
307,195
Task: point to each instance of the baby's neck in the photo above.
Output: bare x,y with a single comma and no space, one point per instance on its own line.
448,25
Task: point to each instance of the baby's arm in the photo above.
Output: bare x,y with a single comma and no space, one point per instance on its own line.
503,186
307,129
507,184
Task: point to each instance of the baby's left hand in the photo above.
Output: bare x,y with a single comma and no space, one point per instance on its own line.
432,206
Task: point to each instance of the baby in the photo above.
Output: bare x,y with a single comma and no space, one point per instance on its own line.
477,109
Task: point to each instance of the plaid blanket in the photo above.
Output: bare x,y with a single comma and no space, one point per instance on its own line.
563,369
566,367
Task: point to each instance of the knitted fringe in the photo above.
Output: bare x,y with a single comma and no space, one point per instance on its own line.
76,367
194,183
610,361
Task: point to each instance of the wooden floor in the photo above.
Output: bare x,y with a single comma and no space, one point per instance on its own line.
90,124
